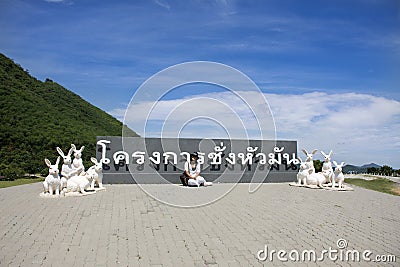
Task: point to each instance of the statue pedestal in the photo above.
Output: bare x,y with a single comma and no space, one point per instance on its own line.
71,194
325,186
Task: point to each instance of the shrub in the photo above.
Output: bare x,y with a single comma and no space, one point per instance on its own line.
12,172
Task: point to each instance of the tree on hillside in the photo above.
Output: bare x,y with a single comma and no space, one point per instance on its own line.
386,170
37,116
318,165
372,170
11,172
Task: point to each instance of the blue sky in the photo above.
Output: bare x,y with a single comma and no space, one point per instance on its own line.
329,53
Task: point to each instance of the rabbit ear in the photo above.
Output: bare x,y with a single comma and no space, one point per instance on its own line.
342,164
58,161
71,150
60,152
94,160
330,153
48,163
323,154
305,151
314,151
334,162
73,146
82,148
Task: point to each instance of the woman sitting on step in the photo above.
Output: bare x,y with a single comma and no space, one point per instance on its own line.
191,175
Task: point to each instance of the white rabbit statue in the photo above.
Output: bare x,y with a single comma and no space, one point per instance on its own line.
77,184
316,178
95,173
309,160
52,182
67,170
303,172
327,165
338,176
77,163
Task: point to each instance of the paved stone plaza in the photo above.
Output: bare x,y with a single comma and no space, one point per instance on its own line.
124,227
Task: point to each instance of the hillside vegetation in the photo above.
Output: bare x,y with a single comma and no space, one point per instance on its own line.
37,116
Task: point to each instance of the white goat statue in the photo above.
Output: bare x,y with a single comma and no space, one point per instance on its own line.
77,163
309,159
52,182
303,172
338,176
327,165
95,173
67,170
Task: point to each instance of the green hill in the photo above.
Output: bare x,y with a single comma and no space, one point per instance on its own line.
37,116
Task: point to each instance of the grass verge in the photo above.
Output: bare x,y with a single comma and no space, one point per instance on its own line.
21,181
379,184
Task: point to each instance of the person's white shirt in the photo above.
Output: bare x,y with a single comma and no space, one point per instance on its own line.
195,170
189,168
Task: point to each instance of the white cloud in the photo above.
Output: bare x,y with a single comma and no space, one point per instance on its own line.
65,2
219,113
162,4
359,128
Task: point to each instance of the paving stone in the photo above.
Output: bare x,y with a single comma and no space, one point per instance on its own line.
123,226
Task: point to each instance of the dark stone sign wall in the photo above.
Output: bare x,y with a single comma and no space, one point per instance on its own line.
128,160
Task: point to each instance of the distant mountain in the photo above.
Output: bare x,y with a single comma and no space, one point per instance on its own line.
359,169
371,165
37,116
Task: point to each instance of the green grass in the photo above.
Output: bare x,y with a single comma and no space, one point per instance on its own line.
379,184
4,184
